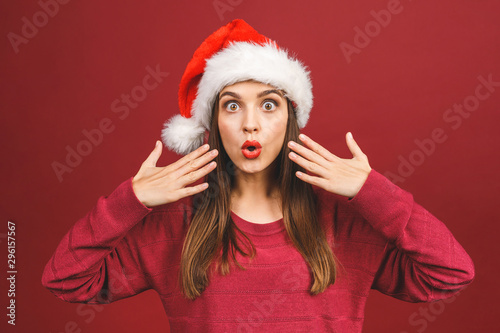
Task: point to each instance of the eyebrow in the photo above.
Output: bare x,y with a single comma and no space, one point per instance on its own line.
261,94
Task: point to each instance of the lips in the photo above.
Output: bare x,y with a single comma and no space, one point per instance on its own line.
251,149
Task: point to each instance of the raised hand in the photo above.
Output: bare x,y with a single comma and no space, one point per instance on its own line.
156,186
334,174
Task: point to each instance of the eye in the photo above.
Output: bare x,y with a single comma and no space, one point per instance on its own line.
269,105
232,106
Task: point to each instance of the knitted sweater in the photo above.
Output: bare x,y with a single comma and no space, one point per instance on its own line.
383,240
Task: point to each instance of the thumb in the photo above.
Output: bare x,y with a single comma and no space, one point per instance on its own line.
353,146
154,155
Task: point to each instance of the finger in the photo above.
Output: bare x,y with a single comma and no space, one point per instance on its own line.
194,175
318,181
308,165
317,148
154,155
196,163
192,190
306,153
353,146
189,157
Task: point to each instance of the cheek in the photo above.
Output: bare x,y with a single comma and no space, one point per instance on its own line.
278,128
226,133
276,134
222,127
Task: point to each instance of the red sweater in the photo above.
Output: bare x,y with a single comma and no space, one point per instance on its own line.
383,239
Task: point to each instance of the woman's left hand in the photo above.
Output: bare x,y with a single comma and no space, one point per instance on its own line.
336,175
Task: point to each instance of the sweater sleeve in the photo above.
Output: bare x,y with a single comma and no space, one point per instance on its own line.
95,261
422,261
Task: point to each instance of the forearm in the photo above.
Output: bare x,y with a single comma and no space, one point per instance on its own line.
422,259
86,258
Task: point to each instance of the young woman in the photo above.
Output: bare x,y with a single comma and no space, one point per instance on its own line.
281,236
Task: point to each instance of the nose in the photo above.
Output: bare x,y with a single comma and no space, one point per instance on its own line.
250,121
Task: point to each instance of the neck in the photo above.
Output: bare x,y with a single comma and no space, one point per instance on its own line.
255,187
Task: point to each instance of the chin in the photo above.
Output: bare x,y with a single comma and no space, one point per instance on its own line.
248,165
247,168
251,166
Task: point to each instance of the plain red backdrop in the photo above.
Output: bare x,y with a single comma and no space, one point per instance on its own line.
391,92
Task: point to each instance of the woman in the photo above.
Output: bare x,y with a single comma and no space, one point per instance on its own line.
261,245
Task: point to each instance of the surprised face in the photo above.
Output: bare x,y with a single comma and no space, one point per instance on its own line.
252,124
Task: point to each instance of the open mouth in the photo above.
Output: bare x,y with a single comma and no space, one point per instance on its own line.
251,149
251,152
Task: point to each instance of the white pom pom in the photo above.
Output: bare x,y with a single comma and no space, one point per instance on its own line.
182,135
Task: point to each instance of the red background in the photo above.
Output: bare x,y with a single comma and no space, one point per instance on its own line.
393,92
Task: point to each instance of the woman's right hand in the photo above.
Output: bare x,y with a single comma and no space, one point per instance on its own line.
156,186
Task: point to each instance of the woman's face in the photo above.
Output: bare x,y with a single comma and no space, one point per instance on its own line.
252,111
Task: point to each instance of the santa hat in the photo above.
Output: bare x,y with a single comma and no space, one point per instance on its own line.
233,53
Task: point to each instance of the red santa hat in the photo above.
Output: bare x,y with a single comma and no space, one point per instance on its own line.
235,52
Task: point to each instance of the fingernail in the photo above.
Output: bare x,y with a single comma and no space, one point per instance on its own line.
157,143
205,146
292,144
302,137
349,135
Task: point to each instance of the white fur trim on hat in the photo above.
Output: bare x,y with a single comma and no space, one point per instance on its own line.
264,63
240,61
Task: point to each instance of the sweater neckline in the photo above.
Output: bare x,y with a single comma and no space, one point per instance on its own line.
258,228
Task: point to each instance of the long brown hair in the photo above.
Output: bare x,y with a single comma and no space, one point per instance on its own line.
212,234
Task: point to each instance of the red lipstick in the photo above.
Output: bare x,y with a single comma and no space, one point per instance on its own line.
251,149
